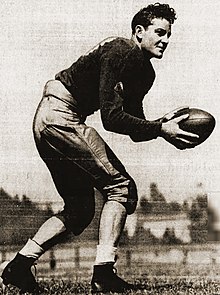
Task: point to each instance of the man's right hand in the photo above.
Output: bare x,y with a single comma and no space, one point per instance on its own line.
172,133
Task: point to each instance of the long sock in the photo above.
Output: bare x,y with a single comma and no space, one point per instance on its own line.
50,229
31,250
105,254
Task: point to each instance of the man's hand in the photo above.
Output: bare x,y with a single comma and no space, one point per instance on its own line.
181,139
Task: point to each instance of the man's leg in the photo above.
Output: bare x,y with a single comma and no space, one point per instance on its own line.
82,147
50,230
74,186
18,271
121,200
86,149
112,222
76,190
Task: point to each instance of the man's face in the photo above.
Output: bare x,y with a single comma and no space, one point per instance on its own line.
155,38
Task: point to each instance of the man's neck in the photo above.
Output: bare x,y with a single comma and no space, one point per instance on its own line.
135,40
146,54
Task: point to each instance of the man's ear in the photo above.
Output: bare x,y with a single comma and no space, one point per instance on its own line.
139,29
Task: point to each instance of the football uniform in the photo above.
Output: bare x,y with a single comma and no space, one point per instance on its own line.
114,77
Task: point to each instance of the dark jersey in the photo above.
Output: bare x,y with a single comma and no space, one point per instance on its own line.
114,77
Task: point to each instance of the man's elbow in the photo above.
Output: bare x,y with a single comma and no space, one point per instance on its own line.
108,125
135,138
107,121
113,125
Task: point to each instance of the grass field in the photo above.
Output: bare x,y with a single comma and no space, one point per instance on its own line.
154,279
149,286
194,277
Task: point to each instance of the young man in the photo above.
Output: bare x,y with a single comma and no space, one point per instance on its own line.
114,77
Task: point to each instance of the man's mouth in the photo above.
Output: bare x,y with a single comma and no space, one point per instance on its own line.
161,48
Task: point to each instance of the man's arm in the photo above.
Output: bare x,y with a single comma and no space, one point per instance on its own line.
114,118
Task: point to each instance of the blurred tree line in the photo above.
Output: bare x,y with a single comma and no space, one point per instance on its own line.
198,214
20,218
156,205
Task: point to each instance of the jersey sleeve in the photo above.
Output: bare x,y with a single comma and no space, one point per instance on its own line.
114,117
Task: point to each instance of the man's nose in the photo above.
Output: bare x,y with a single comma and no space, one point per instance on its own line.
165,39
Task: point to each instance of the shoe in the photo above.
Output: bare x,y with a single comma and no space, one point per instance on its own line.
105,280
18,273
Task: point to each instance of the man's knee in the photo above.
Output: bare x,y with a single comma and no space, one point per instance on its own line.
131,203
124,191
76,222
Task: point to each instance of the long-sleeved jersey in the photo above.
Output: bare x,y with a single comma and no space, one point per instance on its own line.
114,77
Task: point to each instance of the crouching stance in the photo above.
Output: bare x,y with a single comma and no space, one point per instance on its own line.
113,77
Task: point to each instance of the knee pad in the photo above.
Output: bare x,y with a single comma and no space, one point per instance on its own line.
131,203
124,191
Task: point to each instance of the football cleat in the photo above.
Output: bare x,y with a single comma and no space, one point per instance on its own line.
18,273
106,280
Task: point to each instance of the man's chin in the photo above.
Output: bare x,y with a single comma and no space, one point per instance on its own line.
153,54
158,55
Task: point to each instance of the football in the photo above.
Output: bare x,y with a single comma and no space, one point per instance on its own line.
199,122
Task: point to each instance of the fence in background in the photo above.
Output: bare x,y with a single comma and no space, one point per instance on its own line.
74,260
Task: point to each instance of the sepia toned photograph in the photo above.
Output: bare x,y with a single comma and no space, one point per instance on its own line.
109,154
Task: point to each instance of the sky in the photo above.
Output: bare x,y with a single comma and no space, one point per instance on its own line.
39,38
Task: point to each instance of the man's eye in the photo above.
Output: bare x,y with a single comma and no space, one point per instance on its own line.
160,33
163,33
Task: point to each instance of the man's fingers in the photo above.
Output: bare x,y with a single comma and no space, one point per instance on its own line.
181,109
185,141
189,134
175,112
183,144
181,118
182,132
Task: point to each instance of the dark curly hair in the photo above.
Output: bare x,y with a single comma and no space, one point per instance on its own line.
146,14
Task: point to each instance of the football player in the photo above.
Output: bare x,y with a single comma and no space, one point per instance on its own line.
114,78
